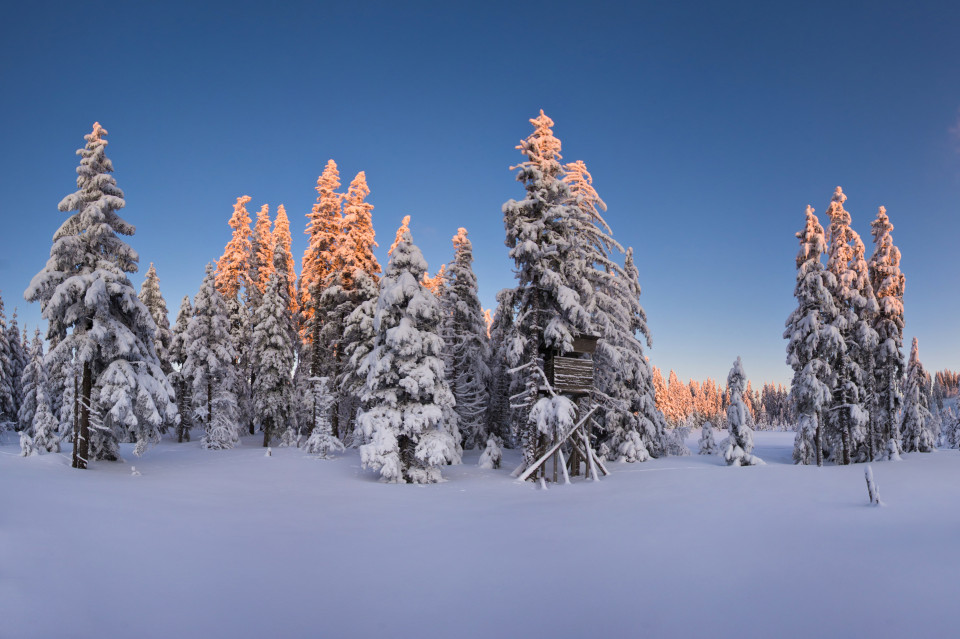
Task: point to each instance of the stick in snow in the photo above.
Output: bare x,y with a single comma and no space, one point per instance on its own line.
872,490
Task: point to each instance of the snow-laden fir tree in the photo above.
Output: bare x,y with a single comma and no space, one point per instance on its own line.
95,316
708,443
888,285
233,268
323,230
740,442
210,367
18,359
848,420
547,235
274,353
500,421
260,259
916,424
178,356
321,442
357,342
281,235
152,298
633,428
406,393
467,346
46,436
814,342
34,376
8,406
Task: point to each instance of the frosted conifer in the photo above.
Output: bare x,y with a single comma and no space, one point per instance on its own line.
708,444
233,268
357,228
34,378
95,316
274,353
18,359
814,342
46,438
323,229
406,393
210,367
321,441
740,441
888,285
466,344
916,423
178,356
260,260
152,298
8,405
281,235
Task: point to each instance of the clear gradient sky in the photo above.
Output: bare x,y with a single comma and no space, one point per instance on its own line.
708,128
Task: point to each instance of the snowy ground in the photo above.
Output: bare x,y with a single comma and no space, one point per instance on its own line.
236,544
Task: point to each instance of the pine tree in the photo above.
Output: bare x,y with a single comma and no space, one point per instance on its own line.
406,393
358,337
851,291
34,376
500,421
84,287
467,347
916,423
260,260
740,442
46,438
233,268
888,284
178,356
210,367
152,298
357,230
274,350
814,342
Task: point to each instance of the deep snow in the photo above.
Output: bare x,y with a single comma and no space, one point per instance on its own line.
233,543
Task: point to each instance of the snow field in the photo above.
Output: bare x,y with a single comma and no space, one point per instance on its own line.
232,543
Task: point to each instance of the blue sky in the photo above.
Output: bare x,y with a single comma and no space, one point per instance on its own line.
708,128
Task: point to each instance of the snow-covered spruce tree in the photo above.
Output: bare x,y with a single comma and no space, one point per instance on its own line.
467,346
274,353
406,392
95,316
321,441
814,342
342,293
46,438
708,443
281,235
8,407
916,424
357,342
633,428
260,259
152,298
499,417
547,236
848,420
34,376
210,367
740,441
888,285
233,269
18,360
178,355
323,230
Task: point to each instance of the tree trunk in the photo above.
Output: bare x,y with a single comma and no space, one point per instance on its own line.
819,440
81,449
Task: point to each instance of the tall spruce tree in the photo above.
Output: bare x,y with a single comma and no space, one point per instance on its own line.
847,425
281,235
260,259
8,405
210,367
178,356
550,265
274,351
467,346
233,268
95,316
888,285
18,359
34,376
406,393
814,342
152,298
